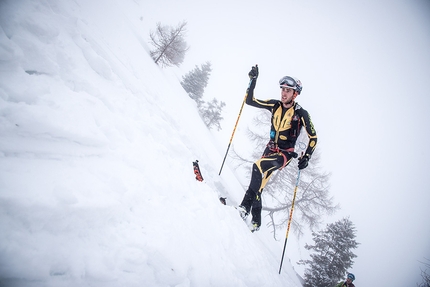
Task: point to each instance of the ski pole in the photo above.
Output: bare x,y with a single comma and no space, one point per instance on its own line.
289,220
234,130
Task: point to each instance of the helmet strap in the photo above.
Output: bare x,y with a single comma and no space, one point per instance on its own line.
291,102
293,98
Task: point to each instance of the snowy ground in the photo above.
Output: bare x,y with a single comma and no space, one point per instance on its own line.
96,151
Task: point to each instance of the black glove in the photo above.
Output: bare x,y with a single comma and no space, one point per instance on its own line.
253,74
303,161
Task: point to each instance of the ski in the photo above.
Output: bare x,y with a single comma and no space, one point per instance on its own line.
244,215
223,200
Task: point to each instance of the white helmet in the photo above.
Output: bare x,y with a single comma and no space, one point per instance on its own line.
290,82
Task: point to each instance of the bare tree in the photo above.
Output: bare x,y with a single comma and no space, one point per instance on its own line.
425,275
169,43
312,199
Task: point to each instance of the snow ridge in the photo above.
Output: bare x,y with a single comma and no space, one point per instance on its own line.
96,180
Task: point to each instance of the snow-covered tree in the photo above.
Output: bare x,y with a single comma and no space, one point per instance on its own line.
169,45
333,254
195,82
211,113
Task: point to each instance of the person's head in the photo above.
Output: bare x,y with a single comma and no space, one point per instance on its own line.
350,277
290,89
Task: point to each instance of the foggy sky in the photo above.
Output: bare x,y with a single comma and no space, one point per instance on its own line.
365,68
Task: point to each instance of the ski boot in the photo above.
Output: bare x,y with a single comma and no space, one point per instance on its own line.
242,211
254,226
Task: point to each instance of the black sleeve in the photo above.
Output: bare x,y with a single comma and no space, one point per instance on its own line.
310,130
262,104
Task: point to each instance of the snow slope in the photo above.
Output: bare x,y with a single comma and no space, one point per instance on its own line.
96,151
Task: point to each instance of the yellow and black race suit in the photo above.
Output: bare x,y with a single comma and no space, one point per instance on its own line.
286,124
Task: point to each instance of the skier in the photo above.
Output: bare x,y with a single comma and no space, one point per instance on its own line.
348,283
287,119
